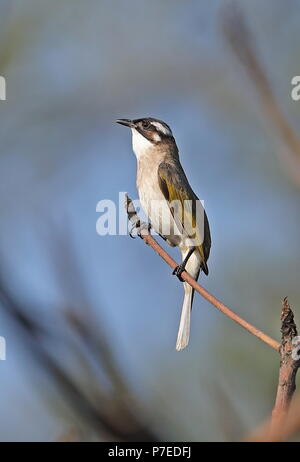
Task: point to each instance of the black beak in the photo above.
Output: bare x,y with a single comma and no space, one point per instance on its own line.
126,122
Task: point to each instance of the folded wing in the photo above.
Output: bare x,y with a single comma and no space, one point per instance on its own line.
176,189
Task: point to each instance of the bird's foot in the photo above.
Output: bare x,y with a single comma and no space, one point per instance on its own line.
178,271
138,227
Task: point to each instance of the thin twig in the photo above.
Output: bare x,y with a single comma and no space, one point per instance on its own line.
146,236
288,364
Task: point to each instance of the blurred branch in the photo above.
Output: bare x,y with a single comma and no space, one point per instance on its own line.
242,43
281,429
113,413
146,236
288,365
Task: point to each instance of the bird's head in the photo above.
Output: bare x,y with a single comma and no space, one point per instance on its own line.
148,133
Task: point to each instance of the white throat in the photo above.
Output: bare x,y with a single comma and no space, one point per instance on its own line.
140,144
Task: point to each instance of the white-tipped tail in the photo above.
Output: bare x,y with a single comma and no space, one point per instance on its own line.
185,320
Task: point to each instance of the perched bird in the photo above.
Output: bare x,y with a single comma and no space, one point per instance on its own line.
168,200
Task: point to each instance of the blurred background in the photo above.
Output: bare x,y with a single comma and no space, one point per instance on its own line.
91,321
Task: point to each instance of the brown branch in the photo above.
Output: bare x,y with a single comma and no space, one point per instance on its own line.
288,365
146,236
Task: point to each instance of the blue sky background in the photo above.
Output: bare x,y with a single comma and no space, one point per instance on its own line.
72,68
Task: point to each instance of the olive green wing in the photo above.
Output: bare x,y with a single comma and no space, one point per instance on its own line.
176,189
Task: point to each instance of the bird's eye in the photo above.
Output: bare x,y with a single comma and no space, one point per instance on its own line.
146,124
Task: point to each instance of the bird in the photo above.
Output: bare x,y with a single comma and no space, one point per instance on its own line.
172,207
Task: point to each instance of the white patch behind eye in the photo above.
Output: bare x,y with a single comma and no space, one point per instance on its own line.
160,127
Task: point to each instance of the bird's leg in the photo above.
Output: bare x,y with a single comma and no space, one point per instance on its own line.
138,227
180,268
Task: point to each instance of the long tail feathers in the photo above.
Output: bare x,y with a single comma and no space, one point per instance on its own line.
185,320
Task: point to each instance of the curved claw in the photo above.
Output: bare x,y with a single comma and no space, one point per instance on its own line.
130,232
138,227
